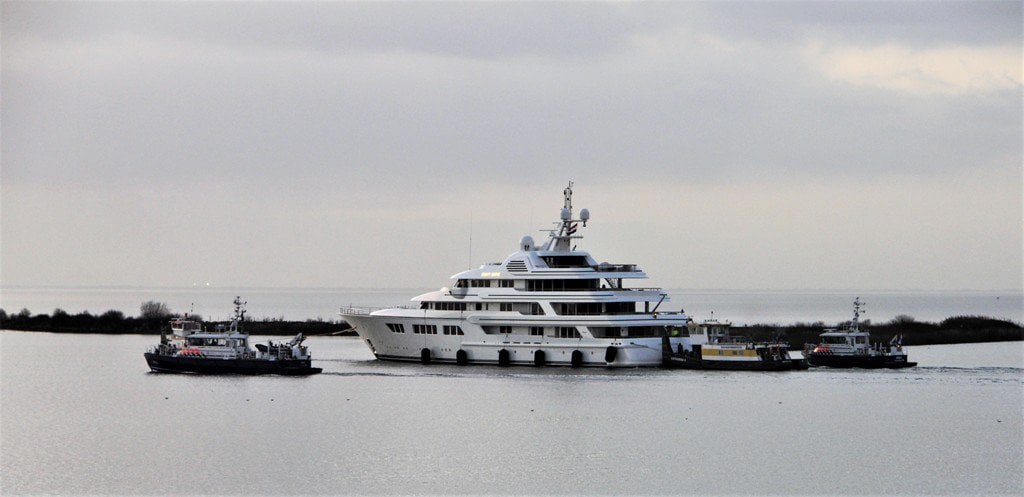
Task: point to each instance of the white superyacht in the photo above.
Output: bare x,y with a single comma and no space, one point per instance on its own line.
544,305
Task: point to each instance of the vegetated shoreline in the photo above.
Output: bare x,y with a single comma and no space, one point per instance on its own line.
116,323
957,329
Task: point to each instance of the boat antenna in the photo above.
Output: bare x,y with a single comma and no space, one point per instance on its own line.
469,262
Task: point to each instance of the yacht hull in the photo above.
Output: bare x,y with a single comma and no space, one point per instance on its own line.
514,350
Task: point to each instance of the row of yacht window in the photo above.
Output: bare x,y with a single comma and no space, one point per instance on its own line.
546,285
534,309
426,329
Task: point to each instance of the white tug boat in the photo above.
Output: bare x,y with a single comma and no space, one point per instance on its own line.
543,305
852,348
191,349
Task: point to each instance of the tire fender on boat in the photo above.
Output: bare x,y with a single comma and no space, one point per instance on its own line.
461,358
610,353
538,358
503,357
425,356
577,359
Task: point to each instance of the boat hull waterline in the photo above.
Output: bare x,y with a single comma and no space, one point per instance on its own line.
202,365
863,362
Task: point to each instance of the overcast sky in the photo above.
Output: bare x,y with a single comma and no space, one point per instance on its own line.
733,145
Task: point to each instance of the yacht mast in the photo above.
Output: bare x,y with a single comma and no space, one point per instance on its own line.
560,241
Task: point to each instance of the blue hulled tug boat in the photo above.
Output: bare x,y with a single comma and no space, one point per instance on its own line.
191,349
852,348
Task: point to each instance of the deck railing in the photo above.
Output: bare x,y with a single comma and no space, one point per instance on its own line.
364,310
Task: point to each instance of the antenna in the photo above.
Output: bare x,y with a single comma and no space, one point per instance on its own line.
469,261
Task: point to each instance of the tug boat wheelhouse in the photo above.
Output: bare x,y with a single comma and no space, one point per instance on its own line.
852,348
543,305
190,349
712,347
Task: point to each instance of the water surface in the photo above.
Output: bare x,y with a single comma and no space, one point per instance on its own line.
82,415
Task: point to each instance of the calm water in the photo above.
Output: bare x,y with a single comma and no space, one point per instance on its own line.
741,307
81,415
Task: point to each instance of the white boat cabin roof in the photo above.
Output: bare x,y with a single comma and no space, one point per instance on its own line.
536,264
213,334
841,333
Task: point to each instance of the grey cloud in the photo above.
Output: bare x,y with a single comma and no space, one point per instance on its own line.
476,29
502,30
912,23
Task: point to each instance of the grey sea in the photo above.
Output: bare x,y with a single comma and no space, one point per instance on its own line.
81,414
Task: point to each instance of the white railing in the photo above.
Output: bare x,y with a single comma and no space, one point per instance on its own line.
364,310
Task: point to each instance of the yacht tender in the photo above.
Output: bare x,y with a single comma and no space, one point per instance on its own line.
545,304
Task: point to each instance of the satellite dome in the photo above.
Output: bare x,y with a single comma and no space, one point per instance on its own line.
566,215
585,216
526,243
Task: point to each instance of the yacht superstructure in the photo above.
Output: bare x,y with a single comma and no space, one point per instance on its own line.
548,304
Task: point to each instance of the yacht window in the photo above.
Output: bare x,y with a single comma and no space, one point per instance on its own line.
536,331
504,329
505,283
505,306
452,330
862,340
424,329
567,332
558,261
396,328
574,285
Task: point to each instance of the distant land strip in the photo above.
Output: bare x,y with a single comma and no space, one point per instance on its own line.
957,329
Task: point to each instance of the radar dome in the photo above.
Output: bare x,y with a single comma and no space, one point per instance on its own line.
566,214
526,243
585,216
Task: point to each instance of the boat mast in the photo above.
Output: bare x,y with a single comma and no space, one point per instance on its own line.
854,325
560,241
239,314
